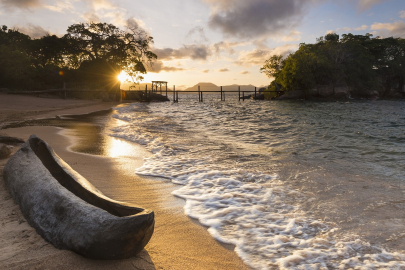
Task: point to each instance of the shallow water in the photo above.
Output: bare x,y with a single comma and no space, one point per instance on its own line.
292,184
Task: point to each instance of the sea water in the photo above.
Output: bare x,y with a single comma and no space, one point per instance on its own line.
241,167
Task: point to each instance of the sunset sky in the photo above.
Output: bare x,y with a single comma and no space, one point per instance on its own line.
219,41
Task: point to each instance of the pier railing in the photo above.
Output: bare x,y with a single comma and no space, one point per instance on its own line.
241,93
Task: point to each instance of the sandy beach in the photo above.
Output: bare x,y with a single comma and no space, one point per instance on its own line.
178,241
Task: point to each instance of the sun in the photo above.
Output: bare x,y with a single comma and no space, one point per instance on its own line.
123,77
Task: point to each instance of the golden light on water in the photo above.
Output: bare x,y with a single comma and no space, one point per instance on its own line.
117,147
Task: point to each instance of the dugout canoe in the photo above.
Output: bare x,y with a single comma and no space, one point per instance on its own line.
68,211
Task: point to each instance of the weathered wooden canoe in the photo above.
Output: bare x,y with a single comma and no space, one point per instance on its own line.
68,211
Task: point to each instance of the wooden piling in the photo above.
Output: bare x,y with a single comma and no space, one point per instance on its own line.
255,93
221,93
64,91
239,92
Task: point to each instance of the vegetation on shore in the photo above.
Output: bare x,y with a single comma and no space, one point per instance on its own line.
361,65
89,54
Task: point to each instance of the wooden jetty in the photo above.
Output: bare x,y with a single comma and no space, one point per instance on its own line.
241,93
151,94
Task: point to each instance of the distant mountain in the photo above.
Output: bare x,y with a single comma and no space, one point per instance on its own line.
207,86
204,86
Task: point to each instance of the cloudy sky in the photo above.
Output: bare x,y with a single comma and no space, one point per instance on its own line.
220,41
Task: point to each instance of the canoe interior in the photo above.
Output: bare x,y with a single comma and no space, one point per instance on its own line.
66,180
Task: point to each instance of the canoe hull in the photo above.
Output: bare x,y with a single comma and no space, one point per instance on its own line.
69,212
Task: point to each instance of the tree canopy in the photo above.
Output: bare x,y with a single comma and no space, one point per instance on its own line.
360,62
90,53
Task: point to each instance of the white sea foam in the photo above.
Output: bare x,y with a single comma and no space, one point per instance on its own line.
250,210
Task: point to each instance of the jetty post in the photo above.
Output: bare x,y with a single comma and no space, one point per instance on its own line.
239,92
156,84
255,93
175,95
64,91
199,94
222,99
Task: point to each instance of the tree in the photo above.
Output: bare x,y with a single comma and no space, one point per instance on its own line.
389,61
89,52
15,63
48,50
359,61
102,50
272,66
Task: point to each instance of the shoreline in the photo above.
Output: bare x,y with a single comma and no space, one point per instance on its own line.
178,241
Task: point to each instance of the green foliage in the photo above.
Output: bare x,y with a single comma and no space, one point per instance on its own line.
15,64
358,61
109,47
273,66
90,53
270,93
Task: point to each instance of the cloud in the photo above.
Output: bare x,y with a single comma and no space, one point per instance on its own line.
223,70
91,17
344,29
134,23
245,72
199,31
349,29
194,52
23,4
206,71
101,4
259,56
396,29
60,6
366,4
226,46
361,28
402,14
256,18
158,66
108,11
34,31
57,6
292,36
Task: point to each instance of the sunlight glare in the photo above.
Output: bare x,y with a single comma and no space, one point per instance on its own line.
123,77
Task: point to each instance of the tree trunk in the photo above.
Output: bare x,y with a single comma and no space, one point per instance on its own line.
387,88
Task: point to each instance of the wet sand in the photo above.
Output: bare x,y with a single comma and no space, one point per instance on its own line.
178,241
